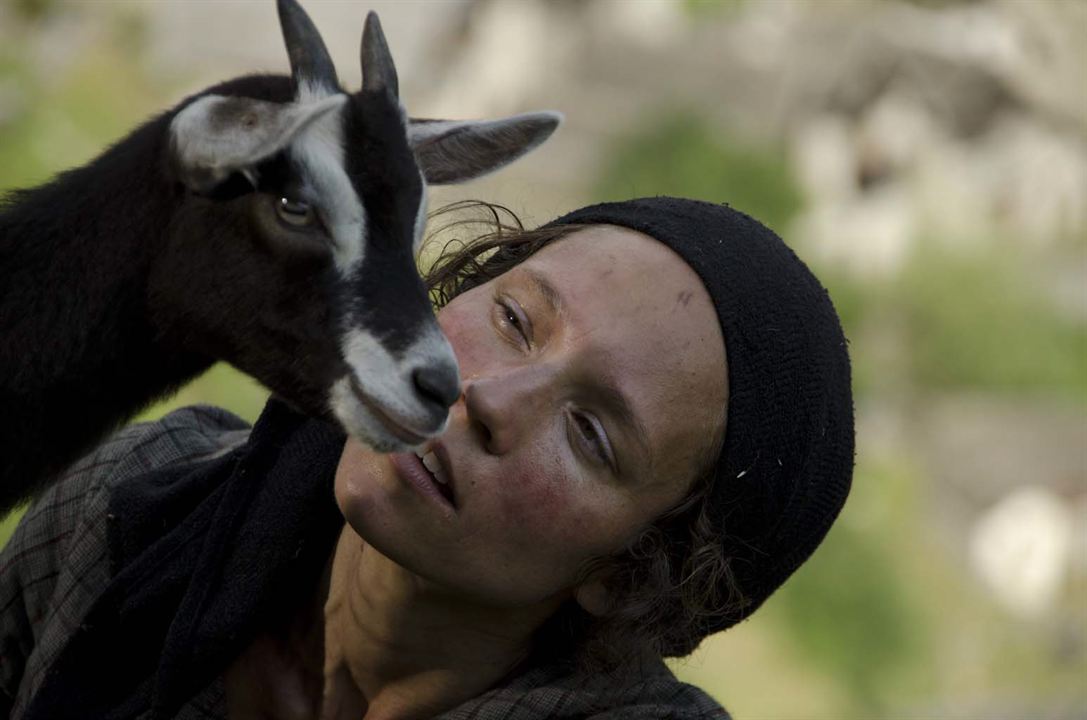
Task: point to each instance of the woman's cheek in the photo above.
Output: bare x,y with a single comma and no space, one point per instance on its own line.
464,335
550,511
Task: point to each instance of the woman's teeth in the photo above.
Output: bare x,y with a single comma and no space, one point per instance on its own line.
430,462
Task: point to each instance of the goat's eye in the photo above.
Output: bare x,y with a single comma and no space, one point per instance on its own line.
295,212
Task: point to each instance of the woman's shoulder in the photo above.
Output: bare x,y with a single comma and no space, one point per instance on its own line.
66,526
58,558
553,692
80,498
190,434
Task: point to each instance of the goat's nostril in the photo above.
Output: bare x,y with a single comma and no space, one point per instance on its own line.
438,384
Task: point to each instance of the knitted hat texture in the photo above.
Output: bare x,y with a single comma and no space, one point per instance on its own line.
787,462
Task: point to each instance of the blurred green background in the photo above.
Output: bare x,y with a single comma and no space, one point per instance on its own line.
927,160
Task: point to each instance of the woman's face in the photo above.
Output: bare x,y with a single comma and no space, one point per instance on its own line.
593,378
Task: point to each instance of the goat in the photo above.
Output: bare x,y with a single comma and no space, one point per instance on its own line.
271,222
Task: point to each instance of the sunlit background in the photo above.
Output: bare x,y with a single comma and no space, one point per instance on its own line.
927,159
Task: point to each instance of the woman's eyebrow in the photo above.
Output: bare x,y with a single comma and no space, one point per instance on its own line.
543,286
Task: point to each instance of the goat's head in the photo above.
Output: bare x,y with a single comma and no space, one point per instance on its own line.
312,207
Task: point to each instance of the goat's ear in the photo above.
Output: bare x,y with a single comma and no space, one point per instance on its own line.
215,136
451,151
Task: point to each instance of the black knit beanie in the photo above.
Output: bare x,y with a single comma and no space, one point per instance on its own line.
787,462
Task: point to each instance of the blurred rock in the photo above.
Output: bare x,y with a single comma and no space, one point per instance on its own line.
869,236
1036,178
1020,549
981,448
510,50
1008,490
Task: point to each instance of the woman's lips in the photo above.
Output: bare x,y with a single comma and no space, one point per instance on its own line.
437,471
411,469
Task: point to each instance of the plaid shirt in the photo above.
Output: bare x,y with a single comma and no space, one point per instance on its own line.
58,561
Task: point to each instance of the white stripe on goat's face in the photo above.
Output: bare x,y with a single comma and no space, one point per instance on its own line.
319,155
380,411
375,220
319,150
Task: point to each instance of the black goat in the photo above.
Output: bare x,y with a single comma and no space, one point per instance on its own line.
270,222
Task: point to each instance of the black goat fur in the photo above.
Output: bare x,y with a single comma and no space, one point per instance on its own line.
92,267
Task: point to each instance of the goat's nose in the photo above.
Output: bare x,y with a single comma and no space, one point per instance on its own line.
438,384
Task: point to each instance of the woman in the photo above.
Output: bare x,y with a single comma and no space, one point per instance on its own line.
655,430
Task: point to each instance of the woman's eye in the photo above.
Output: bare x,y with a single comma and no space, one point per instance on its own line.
590,434
512,319
295,212
510,316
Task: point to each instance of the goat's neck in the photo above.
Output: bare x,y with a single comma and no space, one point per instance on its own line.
78,351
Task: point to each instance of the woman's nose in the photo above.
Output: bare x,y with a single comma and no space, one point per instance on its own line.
501,410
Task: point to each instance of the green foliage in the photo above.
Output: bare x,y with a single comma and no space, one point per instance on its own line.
684,155
33,9
8,523
66,124
980,320
940,4
968,320
702,9
846,611
222,386
853,609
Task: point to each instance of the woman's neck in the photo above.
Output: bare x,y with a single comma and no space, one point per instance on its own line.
397,647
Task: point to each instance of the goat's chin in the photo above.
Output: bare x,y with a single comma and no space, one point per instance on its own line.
381,444
362,418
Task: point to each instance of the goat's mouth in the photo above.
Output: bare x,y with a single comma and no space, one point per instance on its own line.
393,425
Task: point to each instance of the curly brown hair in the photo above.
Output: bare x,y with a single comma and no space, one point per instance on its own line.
671,579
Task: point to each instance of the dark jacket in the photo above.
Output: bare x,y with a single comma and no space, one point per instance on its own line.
130,586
